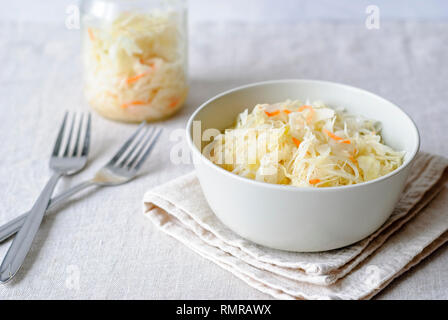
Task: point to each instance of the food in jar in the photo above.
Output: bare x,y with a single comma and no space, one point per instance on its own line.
135,66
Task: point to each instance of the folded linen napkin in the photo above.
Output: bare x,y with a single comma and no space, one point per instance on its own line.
415,229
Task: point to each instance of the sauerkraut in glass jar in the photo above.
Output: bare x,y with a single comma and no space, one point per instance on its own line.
135,58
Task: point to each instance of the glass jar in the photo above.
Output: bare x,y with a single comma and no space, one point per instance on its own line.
135,57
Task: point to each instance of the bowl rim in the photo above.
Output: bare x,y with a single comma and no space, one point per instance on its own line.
209,163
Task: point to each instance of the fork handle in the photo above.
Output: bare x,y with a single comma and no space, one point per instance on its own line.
24,239
11,227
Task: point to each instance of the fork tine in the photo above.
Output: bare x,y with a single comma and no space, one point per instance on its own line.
141,147
126,145
134,148
85,148
70,133
78,136
148,150
57,145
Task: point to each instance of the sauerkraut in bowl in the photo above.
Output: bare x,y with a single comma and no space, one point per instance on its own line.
304,144
336,211
135,65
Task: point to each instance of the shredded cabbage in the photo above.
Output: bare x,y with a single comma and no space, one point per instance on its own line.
308,145
135,66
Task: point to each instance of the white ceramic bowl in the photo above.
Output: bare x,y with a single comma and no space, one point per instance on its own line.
297,218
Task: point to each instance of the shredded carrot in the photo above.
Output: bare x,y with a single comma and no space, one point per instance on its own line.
287,111
335,137
150,64
135,78
273,113
174,102
306,107
113,95
353,160
297,142
314,181
91,35
135,103
332,135
352,156
311,113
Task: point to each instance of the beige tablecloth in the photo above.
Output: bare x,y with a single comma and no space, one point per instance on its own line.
100,245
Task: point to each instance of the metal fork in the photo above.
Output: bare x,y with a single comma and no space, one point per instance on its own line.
123,167
62,162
